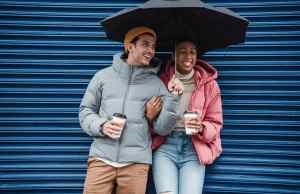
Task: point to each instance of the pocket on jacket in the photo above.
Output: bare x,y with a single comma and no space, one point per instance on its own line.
105,140
137,135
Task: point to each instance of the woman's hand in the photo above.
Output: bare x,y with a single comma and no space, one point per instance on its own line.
195,124
153,108
175,86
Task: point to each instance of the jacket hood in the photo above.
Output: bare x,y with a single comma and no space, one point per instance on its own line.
136,72
204,72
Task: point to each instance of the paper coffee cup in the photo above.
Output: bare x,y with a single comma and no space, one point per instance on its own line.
121,120
189,116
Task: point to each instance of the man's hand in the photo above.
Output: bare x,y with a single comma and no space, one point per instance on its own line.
112,129
153,108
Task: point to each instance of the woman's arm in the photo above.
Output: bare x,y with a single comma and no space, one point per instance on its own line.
213,118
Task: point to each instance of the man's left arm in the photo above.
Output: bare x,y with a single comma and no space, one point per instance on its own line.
166,120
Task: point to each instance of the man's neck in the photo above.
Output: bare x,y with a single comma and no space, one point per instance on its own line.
130,62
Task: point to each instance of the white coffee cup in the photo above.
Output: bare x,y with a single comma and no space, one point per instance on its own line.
189,116
121,120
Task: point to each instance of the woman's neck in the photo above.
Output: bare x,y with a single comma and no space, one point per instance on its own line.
185,77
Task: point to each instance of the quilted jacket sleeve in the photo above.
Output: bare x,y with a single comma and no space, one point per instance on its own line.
89,119
213,118
167,117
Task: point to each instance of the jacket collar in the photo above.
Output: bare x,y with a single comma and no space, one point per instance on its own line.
204,72
125,70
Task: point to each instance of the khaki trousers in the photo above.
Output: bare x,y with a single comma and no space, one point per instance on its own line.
102,178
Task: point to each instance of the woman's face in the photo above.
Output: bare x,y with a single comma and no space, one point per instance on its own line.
186,57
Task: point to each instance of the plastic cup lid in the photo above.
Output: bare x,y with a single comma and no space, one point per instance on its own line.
190,112
120,115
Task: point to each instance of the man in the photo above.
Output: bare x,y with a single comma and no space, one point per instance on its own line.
125,87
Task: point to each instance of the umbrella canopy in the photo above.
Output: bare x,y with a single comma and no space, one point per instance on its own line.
173,20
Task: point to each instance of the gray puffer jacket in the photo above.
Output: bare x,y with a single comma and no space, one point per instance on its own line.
123,88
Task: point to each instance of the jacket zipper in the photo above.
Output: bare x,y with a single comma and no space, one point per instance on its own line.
123,105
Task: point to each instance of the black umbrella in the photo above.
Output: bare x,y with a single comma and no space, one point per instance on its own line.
174,20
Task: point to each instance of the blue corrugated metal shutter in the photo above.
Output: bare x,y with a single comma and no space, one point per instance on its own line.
50,49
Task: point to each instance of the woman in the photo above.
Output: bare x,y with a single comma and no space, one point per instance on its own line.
179,160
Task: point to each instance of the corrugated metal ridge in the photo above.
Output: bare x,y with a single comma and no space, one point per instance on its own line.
79,5
53,14
124,5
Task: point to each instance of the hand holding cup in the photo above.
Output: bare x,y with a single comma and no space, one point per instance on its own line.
115,126
192,124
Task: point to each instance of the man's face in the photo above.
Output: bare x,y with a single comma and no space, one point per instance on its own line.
142,51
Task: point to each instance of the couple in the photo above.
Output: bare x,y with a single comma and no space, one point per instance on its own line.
120,155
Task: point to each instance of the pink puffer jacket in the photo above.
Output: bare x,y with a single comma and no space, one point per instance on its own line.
206,100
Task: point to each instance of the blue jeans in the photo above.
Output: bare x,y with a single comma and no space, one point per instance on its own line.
176,168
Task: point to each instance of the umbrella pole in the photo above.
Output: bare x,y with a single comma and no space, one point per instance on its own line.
175,60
